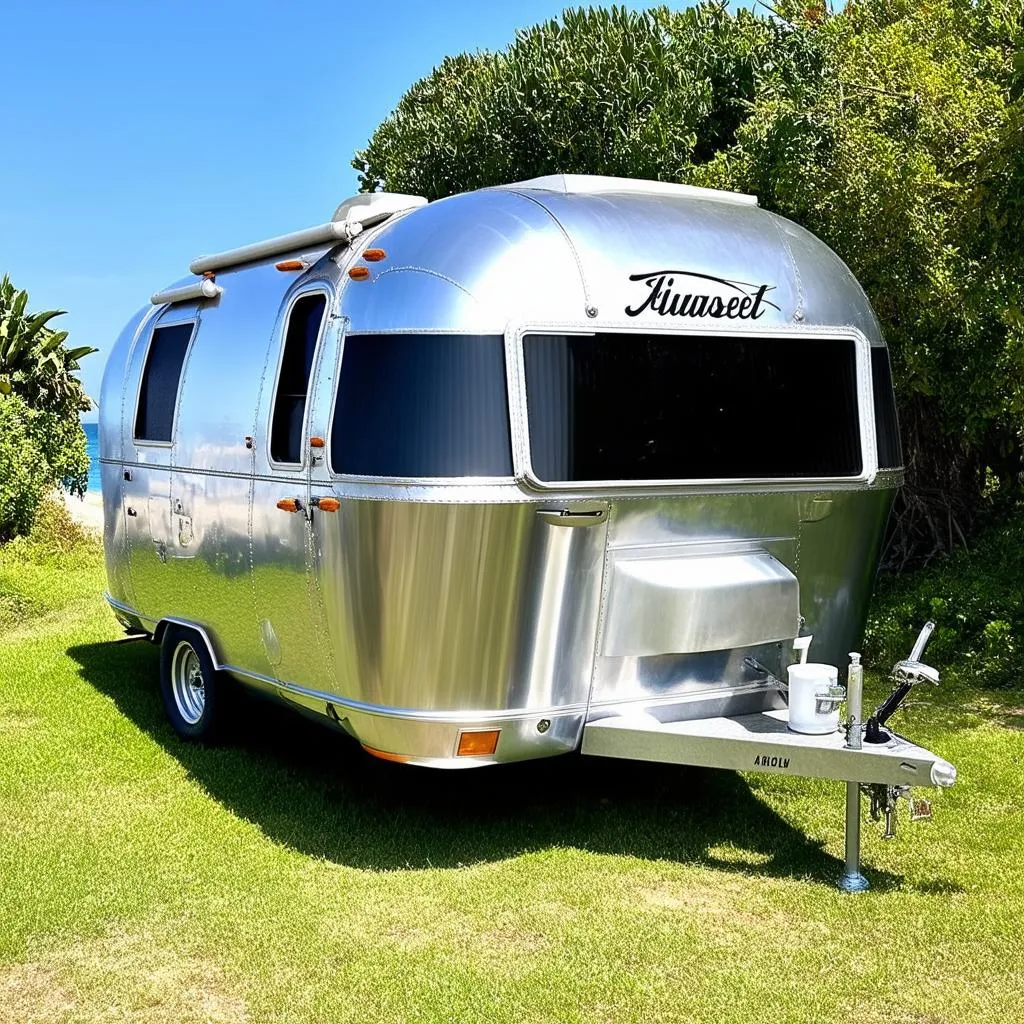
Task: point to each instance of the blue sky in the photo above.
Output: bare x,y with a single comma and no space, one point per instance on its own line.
139,135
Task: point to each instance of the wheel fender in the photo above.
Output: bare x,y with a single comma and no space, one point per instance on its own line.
161,628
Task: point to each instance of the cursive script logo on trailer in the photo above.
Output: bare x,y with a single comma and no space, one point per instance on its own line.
690,294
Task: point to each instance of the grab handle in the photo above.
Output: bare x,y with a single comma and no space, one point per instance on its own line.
571,517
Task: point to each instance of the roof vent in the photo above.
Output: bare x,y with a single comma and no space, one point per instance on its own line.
595,184
370,208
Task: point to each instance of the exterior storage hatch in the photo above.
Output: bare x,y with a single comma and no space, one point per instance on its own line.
684,603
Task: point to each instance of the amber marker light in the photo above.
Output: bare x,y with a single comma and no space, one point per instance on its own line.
328,504
209,275
359,273
317,442
386,755
374,255
478,744
290,265
288,505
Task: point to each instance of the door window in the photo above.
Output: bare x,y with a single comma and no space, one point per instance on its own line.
305,321
161,378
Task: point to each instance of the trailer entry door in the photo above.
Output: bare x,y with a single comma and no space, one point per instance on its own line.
153,384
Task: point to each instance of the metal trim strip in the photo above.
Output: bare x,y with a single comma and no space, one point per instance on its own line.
412,714
504,490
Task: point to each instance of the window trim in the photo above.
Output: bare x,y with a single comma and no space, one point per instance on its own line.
192,317
521,447
902,464
306,289
417,481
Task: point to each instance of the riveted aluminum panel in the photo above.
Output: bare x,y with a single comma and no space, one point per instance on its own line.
448,607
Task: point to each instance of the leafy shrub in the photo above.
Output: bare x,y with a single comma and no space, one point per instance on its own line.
42,443
63,444
38,450
976,601
54,528
25,474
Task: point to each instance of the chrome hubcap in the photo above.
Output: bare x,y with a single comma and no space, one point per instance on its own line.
187,683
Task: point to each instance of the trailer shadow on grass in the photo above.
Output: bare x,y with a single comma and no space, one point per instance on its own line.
315,790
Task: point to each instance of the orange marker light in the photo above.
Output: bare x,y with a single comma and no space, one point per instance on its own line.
359,273
478,744
386,755
328,504
288,505
209,275
374,255
290,265
316,442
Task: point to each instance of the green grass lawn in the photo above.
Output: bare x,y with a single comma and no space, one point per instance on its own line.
289,877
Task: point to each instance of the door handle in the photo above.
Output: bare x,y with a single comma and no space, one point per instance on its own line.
131,511
572,517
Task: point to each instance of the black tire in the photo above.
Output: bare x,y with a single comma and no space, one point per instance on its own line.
195,694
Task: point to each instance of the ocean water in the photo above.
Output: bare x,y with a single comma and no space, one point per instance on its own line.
92,444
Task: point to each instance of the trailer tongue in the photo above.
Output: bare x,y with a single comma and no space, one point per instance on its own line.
886,768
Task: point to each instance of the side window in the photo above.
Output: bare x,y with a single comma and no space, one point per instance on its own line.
161,376
691,407
887,427
432,405
301,334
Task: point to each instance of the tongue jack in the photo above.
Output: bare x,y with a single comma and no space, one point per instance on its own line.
906,674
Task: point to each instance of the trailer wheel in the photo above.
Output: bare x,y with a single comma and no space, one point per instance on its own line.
193,690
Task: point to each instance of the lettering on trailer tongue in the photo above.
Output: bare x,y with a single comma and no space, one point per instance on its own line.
748,302
766,761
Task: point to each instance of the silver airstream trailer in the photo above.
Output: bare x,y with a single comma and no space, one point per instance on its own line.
567,463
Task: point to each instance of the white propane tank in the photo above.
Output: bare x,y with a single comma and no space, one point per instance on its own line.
814,698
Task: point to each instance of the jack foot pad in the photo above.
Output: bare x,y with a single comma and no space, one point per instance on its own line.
854,883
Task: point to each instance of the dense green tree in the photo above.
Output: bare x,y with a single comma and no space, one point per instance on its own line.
612,91
892,130
907,163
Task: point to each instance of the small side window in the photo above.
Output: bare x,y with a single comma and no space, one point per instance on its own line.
301,335
161,377
887,427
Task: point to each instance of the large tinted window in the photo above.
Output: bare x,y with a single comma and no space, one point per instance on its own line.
158,394
661,407
887,428
413,405
300,339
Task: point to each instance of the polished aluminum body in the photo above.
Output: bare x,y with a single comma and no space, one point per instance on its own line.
423,608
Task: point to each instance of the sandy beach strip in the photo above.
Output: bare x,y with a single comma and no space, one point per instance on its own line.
87,511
